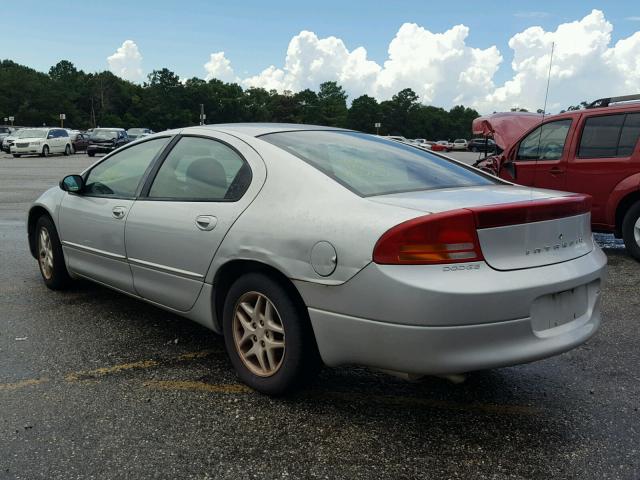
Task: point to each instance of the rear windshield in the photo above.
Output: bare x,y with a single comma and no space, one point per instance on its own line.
369,165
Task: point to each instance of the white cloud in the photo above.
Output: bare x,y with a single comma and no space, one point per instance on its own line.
219,67
445,70
126,62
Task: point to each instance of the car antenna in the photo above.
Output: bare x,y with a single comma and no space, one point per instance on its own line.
544,112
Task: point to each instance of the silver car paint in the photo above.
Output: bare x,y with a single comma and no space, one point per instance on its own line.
175,280
299,206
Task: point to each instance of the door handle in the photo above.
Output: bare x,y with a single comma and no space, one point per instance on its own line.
118,212
206,222
556,171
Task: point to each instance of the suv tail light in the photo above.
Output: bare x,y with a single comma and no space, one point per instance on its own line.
451,237
448,237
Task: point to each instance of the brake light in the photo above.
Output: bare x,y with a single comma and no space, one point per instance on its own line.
448,237
531,211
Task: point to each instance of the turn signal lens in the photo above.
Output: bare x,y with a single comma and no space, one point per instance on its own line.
448,237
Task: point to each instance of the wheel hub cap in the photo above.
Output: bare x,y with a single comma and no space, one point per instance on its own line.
45,253
258,334
636,231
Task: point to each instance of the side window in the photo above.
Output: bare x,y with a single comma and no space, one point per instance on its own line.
629,135
120,174
63,133
201,169
545,142
600,136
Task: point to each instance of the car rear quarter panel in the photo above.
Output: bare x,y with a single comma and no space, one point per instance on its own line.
298,207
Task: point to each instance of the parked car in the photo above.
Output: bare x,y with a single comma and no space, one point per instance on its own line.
136,133
41,141
441,146
9,140
105,140
5,131
303,243
423,143
459,144
482,144
594,151
80,141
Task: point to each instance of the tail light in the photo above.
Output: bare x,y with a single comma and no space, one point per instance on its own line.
451,237
448,237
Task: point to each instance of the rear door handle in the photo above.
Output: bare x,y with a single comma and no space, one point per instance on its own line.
556,171
206,222
118,212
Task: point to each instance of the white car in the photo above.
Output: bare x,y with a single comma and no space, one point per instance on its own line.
42,141
422,142
459,144
8,141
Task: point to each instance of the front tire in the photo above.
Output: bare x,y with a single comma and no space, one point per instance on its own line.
631,230
45,151
17,155
91,154
50,256
268,336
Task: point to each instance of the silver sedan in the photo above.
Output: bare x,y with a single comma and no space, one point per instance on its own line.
307,245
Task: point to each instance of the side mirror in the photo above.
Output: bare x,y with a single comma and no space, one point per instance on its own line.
510,167
72,183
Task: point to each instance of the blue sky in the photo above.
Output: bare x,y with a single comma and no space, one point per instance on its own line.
254,34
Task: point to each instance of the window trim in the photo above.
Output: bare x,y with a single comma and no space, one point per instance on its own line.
616,157
152,174
517,149
136,194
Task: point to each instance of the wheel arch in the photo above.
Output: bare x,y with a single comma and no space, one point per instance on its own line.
34,214
623,206
234,269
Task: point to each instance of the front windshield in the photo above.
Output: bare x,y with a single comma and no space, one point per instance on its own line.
136,131
104,134
368,165
32,133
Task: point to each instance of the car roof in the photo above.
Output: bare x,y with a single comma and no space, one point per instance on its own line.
257,129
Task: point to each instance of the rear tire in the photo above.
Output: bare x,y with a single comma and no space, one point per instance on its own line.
45,151
285,342
67,150
50,256
91,154
631,230
17,155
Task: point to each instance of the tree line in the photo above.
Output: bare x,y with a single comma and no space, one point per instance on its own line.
103,99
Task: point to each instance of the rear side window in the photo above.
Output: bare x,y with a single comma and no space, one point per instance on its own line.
609,136
545,142
201,169
369,165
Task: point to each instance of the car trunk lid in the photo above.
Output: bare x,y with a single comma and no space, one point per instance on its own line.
516,227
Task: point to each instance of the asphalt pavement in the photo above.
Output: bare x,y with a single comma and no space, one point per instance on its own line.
94,384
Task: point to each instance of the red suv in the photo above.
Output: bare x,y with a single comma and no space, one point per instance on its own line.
593,151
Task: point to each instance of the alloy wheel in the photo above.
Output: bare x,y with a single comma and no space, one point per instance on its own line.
45,253
258,334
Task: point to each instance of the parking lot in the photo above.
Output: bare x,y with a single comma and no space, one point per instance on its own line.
94,384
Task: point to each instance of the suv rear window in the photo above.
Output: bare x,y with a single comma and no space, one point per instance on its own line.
609,136
369,165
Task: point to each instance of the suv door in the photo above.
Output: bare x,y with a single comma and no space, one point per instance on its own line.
92,223
183,213
603,157
541,156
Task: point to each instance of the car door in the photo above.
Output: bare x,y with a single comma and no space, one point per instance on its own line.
541,157
183,213
92,222
603,157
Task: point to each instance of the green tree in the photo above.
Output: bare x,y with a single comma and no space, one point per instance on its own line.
363,114
332,105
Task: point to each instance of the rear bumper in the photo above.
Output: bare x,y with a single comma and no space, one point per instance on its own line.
442,325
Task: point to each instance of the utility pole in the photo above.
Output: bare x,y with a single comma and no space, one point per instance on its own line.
62,119
202,115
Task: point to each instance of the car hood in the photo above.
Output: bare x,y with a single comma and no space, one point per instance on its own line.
29,139
505,128
441,200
